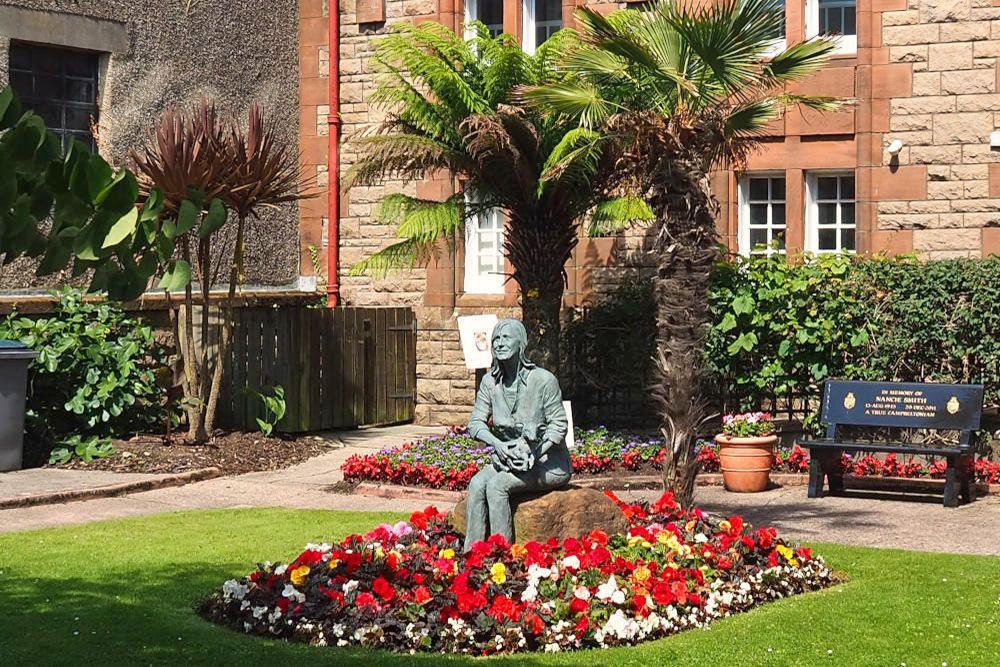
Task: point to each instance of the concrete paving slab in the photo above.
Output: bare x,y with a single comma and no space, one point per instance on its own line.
37,481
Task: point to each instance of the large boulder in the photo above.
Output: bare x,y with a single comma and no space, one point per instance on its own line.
569,512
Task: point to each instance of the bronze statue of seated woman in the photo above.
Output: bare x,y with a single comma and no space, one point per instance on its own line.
528,435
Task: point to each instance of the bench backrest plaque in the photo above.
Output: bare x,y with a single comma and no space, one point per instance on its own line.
903,404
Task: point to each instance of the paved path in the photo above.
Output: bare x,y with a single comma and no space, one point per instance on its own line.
35,481
863,520
301,486
860,520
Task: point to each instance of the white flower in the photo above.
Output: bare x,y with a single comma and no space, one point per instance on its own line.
280,569
530,594
606,590
234,589
582,592
350,586
618,597
572,562
701,538
293,593
258,612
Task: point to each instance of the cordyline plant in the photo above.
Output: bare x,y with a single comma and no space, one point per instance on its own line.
449,111
672,94
205,168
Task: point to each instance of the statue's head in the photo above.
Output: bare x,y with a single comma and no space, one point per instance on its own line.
509,341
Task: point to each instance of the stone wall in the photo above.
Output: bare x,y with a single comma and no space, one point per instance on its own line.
172,52
947,52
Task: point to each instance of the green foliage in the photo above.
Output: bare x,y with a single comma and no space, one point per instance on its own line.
274,404
70,208
86,448
95,374
780,329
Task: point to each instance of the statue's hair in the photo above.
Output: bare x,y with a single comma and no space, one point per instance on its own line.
520,334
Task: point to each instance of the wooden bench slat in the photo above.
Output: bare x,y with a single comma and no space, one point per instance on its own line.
898,447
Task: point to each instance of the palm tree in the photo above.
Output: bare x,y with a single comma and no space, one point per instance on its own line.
449,109
671,94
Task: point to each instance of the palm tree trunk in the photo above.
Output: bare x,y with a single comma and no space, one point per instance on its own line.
687,250
538,251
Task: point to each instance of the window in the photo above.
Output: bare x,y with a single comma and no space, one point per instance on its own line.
484,251
778,44
59,85
489,12
542,18
762,215
830,216
833,17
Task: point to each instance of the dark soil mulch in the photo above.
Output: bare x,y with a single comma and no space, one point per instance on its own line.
233,453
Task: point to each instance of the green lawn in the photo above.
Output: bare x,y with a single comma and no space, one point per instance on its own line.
123,592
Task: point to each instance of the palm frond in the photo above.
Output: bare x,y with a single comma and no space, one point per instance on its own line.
578,100
421,220
400,155
613,216
798,60
400,255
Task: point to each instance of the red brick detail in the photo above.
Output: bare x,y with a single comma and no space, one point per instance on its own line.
995,180
896,242
991,241
371,11
895,80
909,183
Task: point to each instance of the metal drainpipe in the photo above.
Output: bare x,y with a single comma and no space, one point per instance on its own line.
333,159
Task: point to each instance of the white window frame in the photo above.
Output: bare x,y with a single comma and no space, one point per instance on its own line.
812,211
743,219
845,43
528,26
778,45
472,14
477,282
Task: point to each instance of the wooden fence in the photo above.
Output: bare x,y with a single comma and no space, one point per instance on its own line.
339,368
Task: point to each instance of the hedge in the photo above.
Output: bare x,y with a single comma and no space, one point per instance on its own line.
781,328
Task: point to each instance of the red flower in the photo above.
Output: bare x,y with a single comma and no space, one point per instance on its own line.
383,589
663,595
534,624
578,605
365,599
421,594
582,626
503,608
805,553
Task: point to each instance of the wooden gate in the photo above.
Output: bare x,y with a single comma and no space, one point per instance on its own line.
339,368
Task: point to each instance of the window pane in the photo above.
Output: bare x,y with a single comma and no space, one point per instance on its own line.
847,214
847,239
48,61
48,87
827,187
850,25
21,81
548,10
80,91
758,189
758,236
827,214
779,236
758,214
20,56
778,215
80,64
50,113
828,239
490,12
847,187
778,189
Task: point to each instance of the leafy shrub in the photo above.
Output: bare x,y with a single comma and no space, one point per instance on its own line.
780,329
95,374
748,425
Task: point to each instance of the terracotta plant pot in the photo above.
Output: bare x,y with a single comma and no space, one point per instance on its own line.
746,462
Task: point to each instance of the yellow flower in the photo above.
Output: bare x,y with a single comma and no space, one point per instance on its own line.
725,526
498,573
334,562
299,575
784,551
636,539
690,525
642,573
533,293
518,551
446,553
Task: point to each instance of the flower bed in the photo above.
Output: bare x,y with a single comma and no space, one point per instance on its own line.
450,461
409,588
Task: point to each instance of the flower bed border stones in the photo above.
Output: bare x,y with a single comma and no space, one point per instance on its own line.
455,458
409,588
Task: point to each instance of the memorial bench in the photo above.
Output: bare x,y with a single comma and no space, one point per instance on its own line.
897,405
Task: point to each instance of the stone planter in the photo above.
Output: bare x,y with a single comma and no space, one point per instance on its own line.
746,462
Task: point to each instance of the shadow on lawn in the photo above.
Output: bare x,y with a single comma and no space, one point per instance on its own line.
131,617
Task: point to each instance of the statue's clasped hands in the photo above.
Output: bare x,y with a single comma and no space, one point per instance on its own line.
515,455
